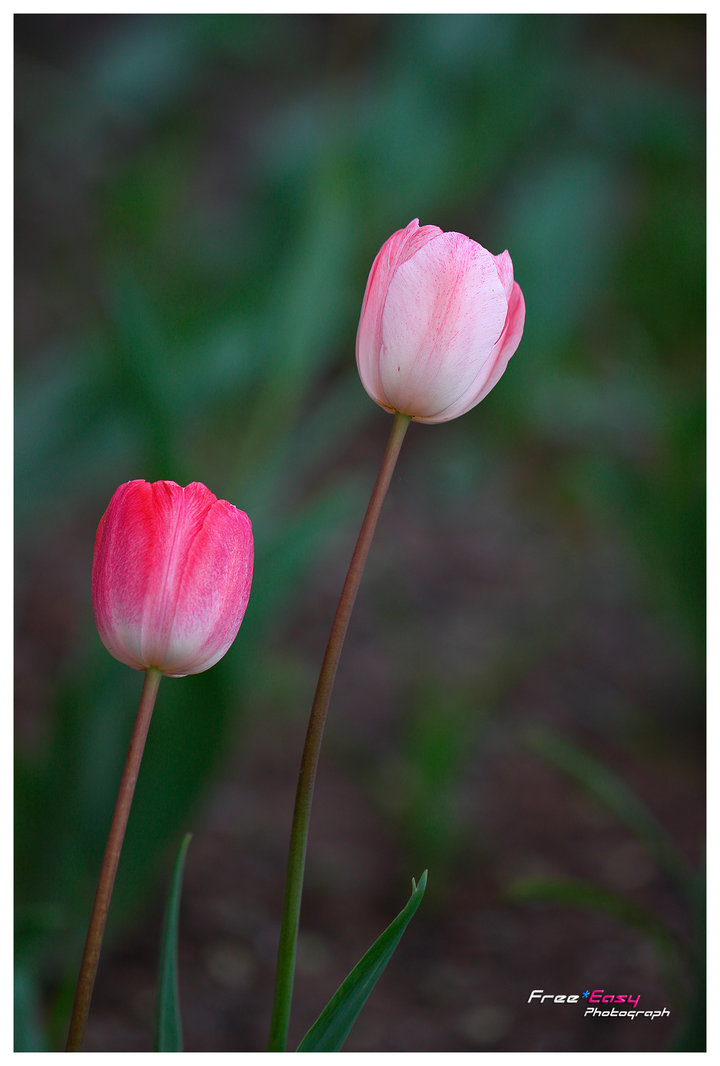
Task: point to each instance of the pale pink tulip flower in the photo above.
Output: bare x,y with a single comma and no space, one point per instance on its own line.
440,319
171,576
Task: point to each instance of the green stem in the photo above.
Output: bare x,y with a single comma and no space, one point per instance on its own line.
308,767
93,943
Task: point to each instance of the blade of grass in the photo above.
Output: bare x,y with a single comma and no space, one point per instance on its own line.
599,781
674,957
337,1019
168,1024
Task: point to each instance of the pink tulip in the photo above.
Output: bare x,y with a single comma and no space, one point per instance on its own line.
440,320
171,576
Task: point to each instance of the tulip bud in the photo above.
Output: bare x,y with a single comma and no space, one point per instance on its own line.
440,320
171,576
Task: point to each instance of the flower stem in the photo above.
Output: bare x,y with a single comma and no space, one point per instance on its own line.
93,943
308,766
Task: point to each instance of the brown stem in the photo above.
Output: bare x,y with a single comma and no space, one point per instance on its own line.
93,943
306,781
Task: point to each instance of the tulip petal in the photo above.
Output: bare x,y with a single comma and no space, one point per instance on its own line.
171,576
444,311
509,340
395,251
494,368
212,584
503,262
122,564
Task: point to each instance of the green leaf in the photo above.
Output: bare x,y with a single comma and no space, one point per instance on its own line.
168,1026
332,1027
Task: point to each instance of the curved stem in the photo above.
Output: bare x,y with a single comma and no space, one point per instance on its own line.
308,767
93,943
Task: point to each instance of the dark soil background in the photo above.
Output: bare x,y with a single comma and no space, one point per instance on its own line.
520,703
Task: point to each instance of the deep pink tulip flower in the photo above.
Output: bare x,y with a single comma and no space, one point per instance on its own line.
171,576
440,319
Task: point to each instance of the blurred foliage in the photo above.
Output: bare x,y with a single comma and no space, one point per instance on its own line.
198,201
681,965
168,1021
614,794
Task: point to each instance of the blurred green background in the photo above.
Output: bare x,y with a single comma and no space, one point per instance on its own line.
520,706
